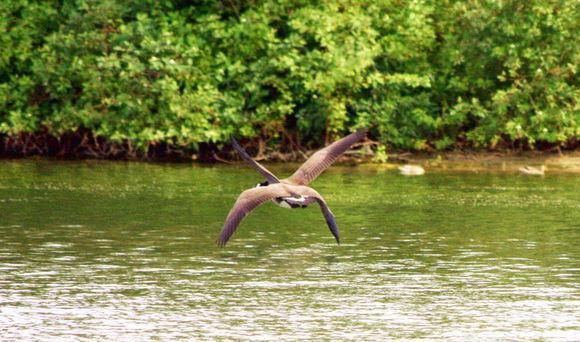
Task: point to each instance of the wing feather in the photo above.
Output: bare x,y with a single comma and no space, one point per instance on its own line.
322,159
313,195
261,169
329,217
246,202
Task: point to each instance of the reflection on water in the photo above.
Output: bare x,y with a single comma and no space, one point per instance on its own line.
122,251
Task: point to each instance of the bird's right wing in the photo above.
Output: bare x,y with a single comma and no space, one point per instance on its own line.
312,195
329,217
246,202
272,179
322,159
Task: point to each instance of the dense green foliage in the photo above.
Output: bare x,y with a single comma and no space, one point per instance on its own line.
421,74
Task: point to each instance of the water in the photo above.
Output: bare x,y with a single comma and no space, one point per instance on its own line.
125,251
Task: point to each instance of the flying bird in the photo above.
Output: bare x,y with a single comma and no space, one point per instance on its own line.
291,192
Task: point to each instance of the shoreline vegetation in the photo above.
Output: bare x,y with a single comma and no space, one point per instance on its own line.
169,80
364,154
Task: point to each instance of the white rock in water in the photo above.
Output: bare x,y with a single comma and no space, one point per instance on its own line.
528,170
411,170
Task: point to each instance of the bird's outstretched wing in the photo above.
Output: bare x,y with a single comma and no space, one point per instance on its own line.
322,159
272,179
313,196
246,202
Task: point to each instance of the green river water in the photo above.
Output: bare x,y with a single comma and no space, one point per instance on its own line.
116,251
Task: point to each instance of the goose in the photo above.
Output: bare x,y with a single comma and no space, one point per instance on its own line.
292,192
411,170
528,170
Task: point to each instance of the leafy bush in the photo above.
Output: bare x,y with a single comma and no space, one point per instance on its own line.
506,71
423,75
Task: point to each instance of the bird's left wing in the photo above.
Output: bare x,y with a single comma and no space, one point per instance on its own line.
272,179
246,202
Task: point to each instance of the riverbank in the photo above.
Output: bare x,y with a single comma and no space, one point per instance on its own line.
461,161
505,161
85,146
